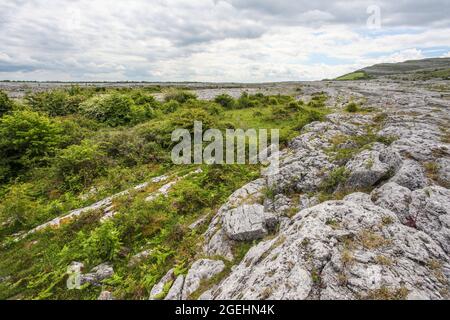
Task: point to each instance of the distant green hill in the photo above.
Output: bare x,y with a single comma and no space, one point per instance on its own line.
415,69
357,75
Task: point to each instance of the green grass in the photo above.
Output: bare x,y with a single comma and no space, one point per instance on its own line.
358,75
443,74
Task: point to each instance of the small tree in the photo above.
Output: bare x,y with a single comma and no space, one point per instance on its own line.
27,138
5,103
54,103
226,101
78,165
113,109
181,96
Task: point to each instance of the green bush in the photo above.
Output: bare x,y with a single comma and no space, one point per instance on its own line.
170,106
334,179
309,116
246,101
141,98
189,198
273,101
112,109
78,165
156,132
180,96
18,208
77,128
127,148
318,100
185,119
103,244
26,139
294,106
279,113
6,104
55,103
226,101
352,107
141,113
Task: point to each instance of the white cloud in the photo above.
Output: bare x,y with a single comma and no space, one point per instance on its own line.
206,40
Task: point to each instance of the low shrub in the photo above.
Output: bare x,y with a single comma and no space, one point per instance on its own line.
334,179
78,165
180,96
26,139
112,109
55,102
102,244
226,101
170,106
352,107
6,104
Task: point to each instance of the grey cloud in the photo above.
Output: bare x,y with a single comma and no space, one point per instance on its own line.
394,13
143,39
6,67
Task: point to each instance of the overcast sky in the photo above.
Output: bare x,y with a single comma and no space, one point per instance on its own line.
213,40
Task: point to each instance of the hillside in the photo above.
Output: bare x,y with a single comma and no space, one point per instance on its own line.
416,69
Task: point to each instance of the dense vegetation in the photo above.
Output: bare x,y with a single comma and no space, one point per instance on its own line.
67,148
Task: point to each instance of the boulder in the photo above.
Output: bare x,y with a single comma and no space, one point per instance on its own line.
411,175
176,290
97,274
159,290
430,209
395,198
201,270
245,223
358,197
371,166
105,295
444,172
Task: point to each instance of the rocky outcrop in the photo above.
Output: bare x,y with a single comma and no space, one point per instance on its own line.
247,222
176,290
97,274
444,172
359,197
411,175
395,198
341,250
430,209
390,244
139,257
279,205
371,166
306,202
160,289
216,240
106,205
201,270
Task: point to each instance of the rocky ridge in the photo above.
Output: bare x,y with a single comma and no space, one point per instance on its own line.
372,224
